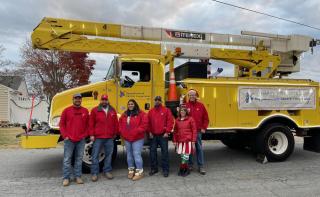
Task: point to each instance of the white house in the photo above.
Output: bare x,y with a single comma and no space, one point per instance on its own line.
15,102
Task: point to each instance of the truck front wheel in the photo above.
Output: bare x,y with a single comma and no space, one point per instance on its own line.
276,141
87,156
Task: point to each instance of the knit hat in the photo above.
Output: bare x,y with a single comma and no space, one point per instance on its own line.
193,91
184,108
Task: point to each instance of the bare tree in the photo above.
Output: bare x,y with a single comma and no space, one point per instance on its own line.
4,63
49,72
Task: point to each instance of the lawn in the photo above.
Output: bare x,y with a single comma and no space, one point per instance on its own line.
8,137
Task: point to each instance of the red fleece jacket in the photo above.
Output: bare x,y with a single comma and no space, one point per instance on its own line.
74,123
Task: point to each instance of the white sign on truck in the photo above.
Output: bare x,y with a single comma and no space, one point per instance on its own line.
276,98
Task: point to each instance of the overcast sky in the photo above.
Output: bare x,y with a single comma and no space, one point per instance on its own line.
19,17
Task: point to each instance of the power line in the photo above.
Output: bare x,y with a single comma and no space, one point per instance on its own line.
269,15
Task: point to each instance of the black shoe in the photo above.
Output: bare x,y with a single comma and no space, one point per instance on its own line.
153,172
180,172
165,174
186,172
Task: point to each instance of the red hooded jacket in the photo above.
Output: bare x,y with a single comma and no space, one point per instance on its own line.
199,113
185,130
103,125
137,127
160,120
74,123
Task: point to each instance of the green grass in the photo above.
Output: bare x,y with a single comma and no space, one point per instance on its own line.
8,137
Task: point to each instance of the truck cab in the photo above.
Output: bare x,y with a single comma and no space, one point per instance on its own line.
120,87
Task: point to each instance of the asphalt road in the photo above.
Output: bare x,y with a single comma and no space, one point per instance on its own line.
229,173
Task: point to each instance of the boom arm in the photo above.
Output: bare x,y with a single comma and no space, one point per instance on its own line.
81,36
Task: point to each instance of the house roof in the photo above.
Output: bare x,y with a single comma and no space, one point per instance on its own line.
12,82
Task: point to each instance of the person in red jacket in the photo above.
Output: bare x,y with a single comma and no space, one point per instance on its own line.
160,126
73,127
133,125
103,128
199,113
184,138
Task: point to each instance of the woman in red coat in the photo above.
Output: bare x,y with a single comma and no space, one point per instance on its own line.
184,138
133,124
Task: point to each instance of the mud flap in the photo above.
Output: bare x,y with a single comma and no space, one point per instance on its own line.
261,158
312,143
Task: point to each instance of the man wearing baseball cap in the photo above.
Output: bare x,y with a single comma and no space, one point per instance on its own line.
160,125
103,129
74,124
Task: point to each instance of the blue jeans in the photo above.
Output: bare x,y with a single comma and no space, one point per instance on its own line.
199,152
134,149
107,144
69,148
163,143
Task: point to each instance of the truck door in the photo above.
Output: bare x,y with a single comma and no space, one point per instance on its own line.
135,83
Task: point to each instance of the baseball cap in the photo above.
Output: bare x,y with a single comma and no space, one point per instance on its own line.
158,98
77,95
104,97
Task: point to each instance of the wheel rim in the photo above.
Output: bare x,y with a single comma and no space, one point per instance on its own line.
87,155
278,143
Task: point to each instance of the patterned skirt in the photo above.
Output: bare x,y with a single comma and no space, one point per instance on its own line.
184,148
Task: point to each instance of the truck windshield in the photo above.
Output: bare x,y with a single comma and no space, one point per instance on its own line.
110,73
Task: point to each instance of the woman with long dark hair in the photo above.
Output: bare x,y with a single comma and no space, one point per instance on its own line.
133,124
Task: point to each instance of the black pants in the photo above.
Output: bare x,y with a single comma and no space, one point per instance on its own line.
163,143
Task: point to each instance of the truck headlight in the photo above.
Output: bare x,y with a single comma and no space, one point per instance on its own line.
55,121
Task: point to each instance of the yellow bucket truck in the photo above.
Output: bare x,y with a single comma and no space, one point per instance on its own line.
258,108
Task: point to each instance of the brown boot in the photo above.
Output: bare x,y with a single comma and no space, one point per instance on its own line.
66,182
94,178
79,180
202,171
130,173
108,175
138,175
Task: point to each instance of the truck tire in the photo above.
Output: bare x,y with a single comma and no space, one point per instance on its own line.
87,159
275,141
234,141
115,152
